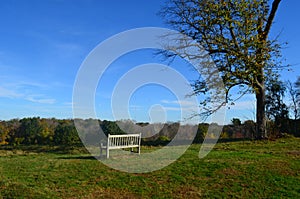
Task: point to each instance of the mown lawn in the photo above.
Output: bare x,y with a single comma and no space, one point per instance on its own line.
232,170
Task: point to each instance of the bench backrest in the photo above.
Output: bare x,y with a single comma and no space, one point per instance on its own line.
124,141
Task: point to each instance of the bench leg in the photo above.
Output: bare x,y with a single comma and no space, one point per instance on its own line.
102,148
107,152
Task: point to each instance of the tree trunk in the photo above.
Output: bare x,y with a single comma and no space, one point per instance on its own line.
260,93
261,132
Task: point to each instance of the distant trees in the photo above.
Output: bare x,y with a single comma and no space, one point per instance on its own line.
29,130
110,127
45,134
297,97
40,131
276,109
66,134
236,121
3,133
294,106
294,98
32,131
282,103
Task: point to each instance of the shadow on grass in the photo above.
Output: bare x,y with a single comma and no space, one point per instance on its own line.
78,157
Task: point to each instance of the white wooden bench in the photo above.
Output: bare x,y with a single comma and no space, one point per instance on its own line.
121,142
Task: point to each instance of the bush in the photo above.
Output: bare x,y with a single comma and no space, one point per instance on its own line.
66,134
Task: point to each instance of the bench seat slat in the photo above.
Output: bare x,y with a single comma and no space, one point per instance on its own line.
123,146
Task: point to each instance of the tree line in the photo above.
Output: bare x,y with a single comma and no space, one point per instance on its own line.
62,132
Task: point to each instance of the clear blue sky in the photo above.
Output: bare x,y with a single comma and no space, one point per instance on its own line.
43,43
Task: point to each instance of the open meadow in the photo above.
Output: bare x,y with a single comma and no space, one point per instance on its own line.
244,169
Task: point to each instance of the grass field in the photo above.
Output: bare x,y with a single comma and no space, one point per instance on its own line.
232,170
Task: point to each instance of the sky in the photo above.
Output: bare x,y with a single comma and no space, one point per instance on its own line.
43,44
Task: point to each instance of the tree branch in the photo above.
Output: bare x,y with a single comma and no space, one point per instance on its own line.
275,5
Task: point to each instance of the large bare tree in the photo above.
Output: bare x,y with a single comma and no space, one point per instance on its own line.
235,33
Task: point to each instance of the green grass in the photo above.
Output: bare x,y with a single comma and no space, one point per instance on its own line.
231,170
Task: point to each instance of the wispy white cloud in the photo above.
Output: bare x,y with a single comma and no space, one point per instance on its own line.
4,92
180,105
26,85
179,102
24,91
136,107
192,108
172,108
40,100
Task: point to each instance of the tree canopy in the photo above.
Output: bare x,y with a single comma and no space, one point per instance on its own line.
235,33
